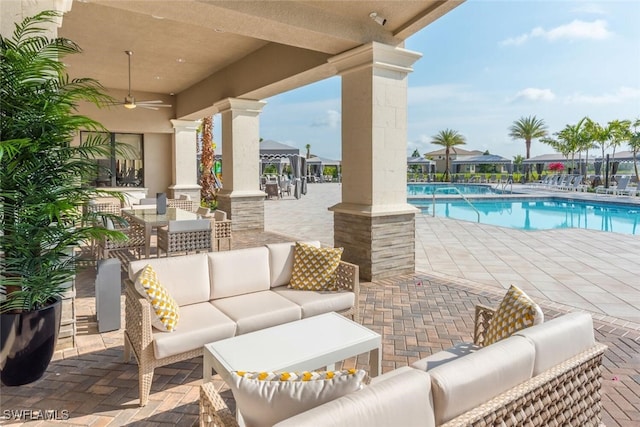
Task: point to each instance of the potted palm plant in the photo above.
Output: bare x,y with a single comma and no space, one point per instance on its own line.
42,191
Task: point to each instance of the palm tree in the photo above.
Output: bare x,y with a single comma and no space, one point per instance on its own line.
308,147
448,138
598,134
207,180
517,161
619,132
528,128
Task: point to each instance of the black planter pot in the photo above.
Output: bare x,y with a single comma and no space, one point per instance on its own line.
27,342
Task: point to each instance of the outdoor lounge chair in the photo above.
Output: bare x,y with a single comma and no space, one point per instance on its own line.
620,188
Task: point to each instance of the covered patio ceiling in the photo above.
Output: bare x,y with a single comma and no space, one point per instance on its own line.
202,51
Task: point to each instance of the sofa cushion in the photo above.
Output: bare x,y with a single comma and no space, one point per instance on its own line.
265,398
314,269
515,312
258,310
281,261
175,272
238,272
466,382
560,339
164,307
194,332
402,399
313,303
445,356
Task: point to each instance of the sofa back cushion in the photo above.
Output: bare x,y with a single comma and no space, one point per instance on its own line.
238,272
186,277
399,400
281,261
469,381
560,339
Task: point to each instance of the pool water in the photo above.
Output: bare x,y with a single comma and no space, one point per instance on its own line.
540,214
447,188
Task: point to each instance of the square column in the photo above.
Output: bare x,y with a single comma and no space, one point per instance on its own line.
374,223
184,167
241,196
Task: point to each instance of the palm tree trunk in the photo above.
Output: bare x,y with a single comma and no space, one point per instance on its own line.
207,192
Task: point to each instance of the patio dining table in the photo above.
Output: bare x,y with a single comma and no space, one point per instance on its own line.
149,218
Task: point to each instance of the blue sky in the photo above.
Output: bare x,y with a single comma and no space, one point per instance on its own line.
485,65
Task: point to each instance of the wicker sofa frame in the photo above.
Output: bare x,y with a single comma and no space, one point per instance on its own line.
138,334
568,394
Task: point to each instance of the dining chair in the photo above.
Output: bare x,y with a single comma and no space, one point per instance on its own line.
185,236
222,228
107,215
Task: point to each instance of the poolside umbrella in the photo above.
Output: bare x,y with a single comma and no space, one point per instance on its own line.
614,167
303,170
598,166
295,175
539,167
509,168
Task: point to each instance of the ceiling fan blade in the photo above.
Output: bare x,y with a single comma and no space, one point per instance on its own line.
148,105
157,101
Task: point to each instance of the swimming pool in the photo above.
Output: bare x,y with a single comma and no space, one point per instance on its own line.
447,188
540,214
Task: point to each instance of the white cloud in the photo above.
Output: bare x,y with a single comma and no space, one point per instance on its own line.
575,30
534,94
331,120
623,94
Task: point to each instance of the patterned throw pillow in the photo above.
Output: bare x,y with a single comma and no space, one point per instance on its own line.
314,269
516,312
164,306
266,398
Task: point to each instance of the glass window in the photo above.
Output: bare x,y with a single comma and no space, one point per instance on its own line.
124,168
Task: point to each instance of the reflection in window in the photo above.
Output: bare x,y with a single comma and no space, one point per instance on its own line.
124,168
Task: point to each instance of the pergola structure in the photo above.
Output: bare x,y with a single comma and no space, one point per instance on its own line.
224,57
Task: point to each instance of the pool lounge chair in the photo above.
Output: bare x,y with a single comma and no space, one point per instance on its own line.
618,189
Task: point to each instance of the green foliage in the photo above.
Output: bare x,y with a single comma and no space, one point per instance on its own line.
42,175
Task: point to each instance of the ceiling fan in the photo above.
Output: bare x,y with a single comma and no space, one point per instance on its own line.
130,101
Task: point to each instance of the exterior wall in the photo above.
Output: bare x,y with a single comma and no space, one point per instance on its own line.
383,246
157,163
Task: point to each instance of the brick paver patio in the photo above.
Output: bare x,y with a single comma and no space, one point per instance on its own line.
416,314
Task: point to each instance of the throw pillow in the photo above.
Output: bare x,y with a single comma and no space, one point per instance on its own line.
516,312
266,398
163,305
314,269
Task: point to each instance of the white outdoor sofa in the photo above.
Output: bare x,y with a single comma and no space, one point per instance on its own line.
548,374
220,295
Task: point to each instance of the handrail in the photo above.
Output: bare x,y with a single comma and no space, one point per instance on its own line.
508,182
457,191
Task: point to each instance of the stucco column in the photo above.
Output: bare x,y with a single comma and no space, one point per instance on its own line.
374,223
240,196
184,165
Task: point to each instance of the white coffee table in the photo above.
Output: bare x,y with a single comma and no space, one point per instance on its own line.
304,345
